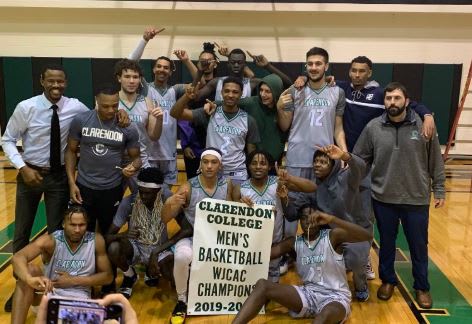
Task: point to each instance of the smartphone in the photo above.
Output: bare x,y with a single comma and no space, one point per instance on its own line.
63,310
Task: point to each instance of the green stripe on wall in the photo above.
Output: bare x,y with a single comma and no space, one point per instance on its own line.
18,81
79,80
437,92
382,73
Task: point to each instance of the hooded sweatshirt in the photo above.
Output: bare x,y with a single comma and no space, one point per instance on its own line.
338,194
272,138
364,105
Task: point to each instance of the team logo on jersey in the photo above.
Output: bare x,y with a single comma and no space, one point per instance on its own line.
369,96
99,149
415,135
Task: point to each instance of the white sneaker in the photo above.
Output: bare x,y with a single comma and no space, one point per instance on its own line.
369,271
283,266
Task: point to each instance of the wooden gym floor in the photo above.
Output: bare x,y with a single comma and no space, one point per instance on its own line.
450,237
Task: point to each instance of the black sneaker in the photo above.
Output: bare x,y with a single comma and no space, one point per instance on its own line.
108,289
179,313
151,281
126,288
8,305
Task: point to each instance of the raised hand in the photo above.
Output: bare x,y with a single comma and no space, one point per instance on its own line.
282,173
157,112
332,151
209,107
181,54
222,49
192,91
285,99
150,32
322,218
260,60
300,82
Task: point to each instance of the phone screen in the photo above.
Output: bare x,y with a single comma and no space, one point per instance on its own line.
68,311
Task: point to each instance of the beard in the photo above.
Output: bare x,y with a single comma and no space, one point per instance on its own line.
394,111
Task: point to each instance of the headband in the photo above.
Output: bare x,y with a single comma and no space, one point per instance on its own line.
212,152
150,185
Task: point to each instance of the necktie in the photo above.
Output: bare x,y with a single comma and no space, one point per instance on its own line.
55,148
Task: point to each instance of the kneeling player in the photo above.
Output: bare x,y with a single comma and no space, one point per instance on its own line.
146,234
324,293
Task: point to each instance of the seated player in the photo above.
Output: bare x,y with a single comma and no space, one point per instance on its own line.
74,261
324,293
206,185
142,243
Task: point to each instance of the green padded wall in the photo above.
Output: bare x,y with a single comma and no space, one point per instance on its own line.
437,92
18,81
79,79
382,73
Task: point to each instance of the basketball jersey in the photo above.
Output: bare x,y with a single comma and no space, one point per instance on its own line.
313,122
267,197
166,147
79,263
197,194
246,88
138,114
229,135
321,265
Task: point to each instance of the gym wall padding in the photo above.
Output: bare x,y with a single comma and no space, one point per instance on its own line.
436,85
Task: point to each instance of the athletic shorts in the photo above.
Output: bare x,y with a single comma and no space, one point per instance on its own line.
315,300
142,253
168,169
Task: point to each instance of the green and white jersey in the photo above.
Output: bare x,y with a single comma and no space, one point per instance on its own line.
166,147
197,194
229,135
267,197
246,88
314,116
80,263
138,114
320,265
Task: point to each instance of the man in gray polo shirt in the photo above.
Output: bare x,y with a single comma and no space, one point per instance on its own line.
102,144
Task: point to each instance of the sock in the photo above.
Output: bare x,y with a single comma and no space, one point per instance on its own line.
130,272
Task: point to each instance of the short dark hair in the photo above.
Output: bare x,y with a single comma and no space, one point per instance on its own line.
251,156
52,67
107,89
319,153
75,209
318,51
126,64
394,86
305,206
172,64
237,51
233,79
151,175
362,60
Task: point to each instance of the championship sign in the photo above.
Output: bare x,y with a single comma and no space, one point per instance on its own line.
231,251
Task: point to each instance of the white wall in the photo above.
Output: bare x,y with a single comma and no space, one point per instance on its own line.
283,32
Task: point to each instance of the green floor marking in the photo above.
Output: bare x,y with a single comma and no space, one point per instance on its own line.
6,234
445,295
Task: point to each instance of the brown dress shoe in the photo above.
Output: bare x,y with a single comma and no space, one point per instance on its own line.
385,291
423,298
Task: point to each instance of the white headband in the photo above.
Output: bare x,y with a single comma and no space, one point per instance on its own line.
151,185
212,152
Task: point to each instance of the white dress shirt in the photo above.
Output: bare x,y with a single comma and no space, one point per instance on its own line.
31,122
